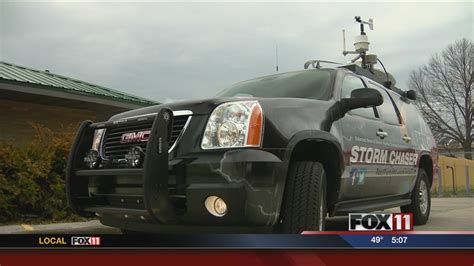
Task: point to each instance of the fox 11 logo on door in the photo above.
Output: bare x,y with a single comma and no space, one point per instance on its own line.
380,222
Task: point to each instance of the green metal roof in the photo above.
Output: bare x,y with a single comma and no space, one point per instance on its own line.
30,76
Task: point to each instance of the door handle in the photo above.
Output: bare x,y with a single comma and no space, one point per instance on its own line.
382,134
406,138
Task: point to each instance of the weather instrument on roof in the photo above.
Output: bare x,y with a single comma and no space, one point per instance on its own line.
363,63
361,45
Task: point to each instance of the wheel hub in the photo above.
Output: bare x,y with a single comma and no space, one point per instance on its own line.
423,197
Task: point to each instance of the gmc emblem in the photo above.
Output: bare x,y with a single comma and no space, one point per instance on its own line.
130,137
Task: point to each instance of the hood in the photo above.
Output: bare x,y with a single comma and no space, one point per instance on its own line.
198,107
275,108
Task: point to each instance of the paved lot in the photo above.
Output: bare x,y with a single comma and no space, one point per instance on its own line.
447,214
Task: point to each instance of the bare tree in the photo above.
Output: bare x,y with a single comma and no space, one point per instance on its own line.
444,86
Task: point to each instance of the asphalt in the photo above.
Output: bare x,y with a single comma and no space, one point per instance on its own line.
447,214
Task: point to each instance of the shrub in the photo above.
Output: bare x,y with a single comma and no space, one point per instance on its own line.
32,177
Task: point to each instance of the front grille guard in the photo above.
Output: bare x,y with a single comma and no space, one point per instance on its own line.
155,168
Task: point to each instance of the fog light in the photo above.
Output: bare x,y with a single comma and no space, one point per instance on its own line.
134,156
216,206
92,159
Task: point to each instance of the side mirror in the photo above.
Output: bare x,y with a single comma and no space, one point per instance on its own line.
411,94
361,98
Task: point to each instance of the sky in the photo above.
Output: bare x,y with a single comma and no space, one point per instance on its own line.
179,51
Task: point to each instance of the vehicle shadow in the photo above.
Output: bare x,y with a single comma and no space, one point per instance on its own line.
340,223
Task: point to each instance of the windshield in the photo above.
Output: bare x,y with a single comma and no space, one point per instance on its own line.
310,84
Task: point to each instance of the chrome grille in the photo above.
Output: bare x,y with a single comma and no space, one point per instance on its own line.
113,149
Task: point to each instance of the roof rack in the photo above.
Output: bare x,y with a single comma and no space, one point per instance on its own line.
317,63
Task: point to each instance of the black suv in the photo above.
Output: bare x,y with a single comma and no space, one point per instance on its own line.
273,154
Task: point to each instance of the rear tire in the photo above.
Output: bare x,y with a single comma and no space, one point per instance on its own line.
304,202
420,200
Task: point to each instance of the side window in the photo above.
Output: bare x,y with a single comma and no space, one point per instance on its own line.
396,101
416,125
387,109
410,114
349,84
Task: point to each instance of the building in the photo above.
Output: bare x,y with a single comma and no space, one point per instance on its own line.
32,96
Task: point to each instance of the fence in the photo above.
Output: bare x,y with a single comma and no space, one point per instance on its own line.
456,176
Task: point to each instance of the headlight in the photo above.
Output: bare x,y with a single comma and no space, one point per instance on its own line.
233,125
98,133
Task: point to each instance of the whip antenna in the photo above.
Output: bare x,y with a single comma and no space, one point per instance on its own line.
276,56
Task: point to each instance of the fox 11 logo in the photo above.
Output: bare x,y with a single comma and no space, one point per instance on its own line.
380,222
85,241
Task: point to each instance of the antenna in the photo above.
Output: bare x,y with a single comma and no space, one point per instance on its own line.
343,41
276,56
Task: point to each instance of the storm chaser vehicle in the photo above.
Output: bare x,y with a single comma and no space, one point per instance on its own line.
273,154
297,147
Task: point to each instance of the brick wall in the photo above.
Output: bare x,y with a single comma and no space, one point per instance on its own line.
16,117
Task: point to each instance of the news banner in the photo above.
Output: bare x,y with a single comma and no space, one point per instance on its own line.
384,231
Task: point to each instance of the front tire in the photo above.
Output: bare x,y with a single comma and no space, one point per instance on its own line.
304,202
420,200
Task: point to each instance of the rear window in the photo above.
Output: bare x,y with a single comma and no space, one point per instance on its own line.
310,84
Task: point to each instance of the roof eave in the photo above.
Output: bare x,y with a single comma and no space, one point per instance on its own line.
57,92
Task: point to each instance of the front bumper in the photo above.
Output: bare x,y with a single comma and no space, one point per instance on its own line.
168,194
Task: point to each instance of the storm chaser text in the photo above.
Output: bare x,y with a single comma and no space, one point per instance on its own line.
381,156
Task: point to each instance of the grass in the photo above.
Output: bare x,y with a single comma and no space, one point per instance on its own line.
71,219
